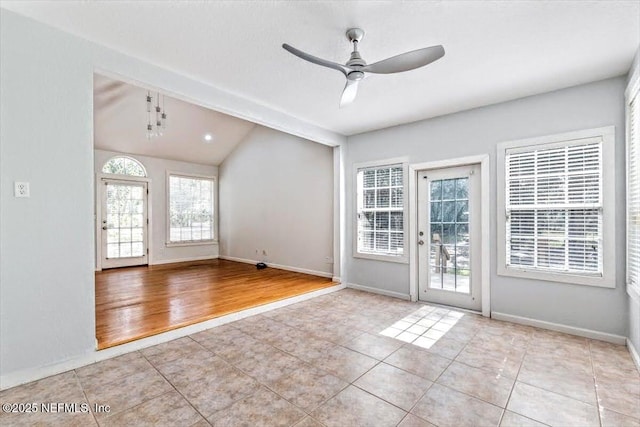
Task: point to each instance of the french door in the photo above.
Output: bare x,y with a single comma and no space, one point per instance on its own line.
449,236
123,223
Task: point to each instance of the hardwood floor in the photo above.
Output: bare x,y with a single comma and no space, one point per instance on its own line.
138,302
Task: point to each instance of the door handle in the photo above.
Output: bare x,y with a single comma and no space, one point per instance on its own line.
104,227
421,242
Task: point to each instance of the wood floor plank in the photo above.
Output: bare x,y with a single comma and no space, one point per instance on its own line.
137,302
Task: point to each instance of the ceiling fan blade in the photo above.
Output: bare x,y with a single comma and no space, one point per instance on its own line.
349,92
406,61
343,69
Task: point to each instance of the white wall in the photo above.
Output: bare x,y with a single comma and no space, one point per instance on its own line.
46,245
276,193
47,312
477,132
157,172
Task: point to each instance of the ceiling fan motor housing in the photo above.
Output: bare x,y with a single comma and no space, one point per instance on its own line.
355,61
355,75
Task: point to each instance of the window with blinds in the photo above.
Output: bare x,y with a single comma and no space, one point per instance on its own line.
554,209
380,210
633,192
190,209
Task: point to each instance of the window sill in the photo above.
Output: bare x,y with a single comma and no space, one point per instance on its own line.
201,243
403,259
558,277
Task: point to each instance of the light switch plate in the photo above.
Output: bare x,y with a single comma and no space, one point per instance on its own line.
21,189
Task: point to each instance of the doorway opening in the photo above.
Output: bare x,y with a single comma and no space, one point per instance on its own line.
122,191
450,225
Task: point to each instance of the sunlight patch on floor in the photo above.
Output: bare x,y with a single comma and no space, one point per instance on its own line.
424,327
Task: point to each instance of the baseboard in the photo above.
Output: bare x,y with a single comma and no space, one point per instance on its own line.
173,261
25,376
379,291
279,266
634,353
572,330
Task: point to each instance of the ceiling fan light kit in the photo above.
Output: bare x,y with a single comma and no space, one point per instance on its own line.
356,67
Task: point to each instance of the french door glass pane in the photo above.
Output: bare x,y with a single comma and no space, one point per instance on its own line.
449,257
125,206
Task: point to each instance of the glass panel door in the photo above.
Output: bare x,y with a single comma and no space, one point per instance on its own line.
448,236
124,223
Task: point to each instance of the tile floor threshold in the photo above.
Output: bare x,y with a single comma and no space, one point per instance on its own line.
341,359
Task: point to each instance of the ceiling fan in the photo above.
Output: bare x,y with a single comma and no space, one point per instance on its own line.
355,68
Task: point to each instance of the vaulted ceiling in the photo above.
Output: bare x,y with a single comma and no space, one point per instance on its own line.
495,50
120,120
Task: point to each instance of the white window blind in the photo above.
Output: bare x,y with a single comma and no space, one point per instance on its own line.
633,192
554,207
380,210
190,209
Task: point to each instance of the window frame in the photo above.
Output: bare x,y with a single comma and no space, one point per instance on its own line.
608,277
214,200
632,92
124,157
404,163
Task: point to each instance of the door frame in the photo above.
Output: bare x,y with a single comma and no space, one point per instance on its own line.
98,215
485,223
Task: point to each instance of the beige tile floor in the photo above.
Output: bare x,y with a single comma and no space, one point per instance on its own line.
341,360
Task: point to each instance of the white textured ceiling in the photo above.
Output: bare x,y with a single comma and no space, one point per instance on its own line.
495,50
120,121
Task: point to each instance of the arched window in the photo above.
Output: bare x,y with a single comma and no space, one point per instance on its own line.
124,166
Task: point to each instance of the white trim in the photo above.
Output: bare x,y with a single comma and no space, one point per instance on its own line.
98,211
485,222
342,178
608,278
336,279
634,294
379,291
634,354
194,243
337,205
21,377
558,327
193,258
633,84
451,307
485,233
214,178
458,161
124,156
401,259
279,266
632,91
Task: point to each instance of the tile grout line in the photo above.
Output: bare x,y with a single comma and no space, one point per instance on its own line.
84,393
119,379
433,382
174,387
595,384
267,386
515,380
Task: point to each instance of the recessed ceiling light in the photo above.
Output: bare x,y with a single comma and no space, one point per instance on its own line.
208,137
